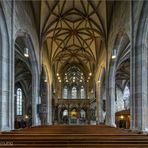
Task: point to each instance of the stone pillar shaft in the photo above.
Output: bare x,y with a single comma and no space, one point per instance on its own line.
97,102
110,98
139,71
49,105
6,73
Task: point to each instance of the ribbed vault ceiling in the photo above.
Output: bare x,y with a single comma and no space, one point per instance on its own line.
72,31
74,76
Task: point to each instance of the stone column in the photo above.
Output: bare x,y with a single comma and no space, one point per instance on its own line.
59,117
97,101
102,96
12,70
35,101
139,96
139,71
101,120
4,96
49,105
35,94
6,73
110,97
99,111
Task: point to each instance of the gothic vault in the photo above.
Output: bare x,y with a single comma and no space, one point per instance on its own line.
73,62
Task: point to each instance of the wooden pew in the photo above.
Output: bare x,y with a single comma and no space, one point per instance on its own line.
73,136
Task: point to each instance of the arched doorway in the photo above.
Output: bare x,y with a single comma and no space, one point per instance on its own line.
65,116
82,117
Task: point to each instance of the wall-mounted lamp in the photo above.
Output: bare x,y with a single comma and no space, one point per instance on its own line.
114,53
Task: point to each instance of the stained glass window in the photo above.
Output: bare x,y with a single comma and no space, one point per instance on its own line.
82,93
126,93
74,93
19,102
65,93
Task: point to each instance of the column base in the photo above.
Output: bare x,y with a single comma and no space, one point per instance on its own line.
6,129
143,131
111,124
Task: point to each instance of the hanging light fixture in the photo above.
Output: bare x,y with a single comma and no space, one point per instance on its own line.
26,52
45,80
114,53
90,74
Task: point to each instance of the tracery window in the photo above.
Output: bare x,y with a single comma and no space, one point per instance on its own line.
74,93
19,102
126,95
122,102
82,93
65,92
